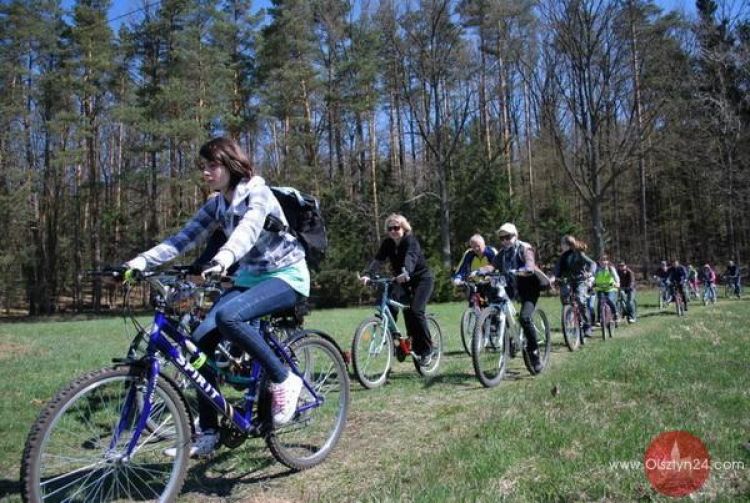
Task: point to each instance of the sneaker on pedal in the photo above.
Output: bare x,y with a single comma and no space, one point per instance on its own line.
536,363
203,447
631,320
284,396
425,360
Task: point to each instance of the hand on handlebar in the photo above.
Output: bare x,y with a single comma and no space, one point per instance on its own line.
364,279
213,269
403,277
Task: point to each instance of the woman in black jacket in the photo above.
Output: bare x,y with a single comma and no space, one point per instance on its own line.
414,280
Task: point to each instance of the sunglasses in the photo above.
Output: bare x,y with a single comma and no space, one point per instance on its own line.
505,237
394,228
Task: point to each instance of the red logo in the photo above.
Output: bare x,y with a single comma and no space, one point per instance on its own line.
677,463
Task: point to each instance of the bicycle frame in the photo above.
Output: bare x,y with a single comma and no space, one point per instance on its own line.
159,343
382,310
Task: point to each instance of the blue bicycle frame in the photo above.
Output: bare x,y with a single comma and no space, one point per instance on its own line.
158,343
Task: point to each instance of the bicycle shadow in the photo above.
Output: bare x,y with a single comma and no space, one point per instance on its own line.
219,476
9,488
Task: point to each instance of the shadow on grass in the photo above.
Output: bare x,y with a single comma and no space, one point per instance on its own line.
9,488
220,476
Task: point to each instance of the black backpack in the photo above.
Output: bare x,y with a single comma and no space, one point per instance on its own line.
302,211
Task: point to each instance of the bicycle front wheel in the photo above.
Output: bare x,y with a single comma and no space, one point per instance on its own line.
372,350
490,347
468,322
436,342
317,425
571,327
77,448
543,339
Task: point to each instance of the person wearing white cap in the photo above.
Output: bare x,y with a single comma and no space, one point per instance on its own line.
517,255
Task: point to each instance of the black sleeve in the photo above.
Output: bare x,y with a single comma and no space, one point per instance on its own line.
413,254
380,257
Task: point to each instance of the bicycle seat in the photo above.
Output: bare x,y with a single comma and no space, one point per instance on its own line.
296,313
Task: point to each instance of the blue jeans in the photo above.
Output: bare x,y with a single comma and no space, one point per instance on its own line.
610,298
235,316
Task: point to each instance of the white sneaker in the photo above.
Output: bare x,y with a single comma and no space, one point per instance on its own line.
284,398
203,447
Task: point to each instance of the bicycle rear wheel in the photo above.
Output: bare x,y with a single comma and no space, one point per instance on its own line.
436,342
76,449
314,430
372,350
490,347
543,339
571,327
468,322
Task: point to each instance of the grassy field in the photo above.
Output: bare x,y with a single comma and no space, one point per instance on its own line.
449,439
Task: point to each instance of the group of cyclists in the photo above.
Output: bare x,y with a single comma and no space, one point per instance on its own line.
271,275
686,281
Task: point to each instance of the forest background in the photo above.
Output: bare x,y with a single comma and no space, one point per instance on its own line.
613,120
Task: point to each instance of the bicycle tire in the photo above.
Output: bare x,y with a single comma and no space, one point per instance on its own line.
468,322
571,327
490,347
76,427
543,339
436,342
312,434
372,353
605,318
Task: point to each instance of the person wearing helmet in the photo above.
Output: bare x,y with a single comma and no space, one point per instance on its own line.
517,255
577,268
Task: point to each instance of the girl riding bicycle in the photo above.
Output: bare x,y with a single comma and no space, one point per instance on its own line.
272,275
414,280
606,283
574,265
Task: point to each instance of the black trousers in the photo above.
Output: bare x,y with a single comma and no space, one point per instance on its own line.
416,293
527,292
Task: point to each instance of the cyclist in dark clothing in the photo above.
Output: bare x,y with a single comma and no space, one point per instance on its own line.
627,287
526,285
677,276
575,266
661,277
732,276
414,280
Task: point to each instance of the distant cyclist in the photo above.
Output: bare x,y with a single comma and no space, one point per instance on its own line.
478,255
692,278
677,277
606,283
707,276
575,266
661,277
732,276
627,287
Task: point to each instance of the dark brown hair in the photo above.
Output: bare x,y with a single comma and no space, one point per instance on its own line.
573,243
230,155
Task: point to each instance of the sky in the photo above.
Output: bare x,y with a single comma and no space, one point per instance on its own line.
122,10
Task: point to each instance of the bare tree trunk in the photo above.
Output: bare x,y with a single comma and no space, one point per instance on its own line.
374,175
643,218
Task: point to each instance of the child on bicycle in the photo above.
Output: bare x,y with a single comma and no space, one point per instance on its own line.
574,266
707,276
478,255
414,281
677,278
627,287
272,274
518,255
606,284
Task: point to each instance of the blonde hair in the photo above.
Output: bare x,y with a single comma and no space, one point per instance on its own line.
573,243
478,239
396,219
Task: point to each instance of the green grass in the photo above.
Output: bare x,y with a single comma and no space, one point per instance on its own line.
449,439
